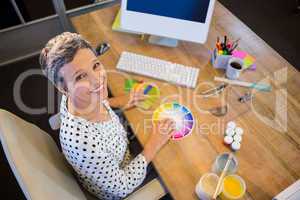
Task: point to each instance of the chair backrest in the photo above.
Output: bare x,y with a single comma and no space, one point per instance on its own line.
41,170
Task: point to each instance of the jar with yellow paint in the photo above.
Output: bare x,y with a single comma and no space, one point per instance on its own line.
234,188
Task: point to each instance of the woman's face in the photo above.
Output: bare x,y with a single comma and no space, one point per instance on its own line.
85,79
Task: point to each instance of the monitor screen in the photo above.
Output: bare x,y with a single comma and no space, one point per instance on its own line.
191,10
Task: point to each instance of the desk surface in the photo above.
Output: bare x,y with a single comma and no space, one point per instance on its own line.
269,159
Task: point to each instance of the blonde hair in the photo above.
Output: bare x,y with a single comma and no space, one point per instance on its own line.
59,51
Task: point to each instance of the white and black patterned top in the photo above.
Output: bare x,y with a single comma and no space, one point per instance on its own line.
99,154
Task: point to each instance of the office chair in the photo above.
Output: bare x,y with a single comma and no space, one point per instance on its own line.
41,169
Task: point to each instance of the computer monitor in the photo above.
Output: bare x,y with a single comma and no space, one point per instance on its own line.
187,20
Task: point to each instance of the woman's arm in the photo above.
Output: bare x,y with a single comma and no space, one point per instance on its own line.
119,101
120,181
161,133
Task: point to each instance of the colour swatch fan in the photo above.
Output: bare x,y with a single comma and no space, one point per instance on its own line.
149,89
180,114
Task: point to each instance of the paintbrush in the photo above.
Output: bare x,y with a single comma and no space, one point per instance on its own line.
223,175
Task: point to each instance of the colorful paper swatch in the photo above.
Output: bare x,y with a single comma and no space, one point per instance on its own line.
180,114
248,59
150,90
129,84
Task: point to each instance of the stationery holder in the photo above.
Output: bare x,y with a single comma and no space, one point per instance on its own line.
219,61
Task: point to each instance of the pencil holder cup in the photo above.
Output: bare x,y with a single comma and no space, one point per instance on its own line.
219,61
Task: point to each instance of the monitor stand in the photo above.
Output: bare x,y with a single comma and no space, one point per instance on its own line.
163,41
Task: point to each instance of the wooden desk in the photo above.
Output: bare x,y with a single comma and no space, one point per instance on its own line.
269,159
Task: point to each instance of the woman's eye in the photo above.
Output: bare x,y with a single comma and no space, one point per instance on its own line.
97,66
81,76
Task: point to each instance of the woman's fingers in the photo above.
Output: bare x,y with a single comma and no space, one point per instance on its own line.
172,125
141,97
138,96
166,126
137,93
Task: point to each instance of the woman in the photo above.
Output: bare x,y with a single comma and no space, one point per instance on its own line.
91,135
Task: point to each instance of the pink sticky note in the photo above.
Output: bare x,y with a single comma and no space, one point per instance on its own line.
239,54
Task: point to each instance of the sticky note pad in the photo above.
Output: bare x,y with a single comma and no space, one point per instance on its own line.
248,59
239,54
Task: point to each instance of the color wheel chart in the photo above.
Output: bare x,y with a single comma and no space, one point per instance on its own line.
180,114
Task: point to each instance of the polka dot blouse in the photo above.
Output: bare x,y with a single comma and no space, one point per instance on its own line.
99,154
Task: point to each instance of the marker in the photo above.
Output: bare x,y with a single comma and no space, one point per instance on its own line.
229,45
218,44
224,44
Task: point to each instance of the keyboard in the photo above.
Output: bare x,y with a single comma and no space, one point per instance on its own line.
159,69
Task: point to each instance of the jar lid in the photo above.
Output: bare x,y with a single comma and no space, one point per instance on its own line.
235,146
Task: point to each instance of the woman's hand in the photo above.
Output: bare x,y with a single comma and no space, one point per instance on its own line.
129,100
161,133
134,97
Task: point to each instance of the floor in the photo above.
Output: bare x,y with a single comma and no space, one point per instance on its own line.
274,21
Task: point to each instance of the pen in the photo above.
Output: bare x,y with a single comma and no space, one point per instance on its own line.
229,45
237,41
225,40
224,47
233,48
234,45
